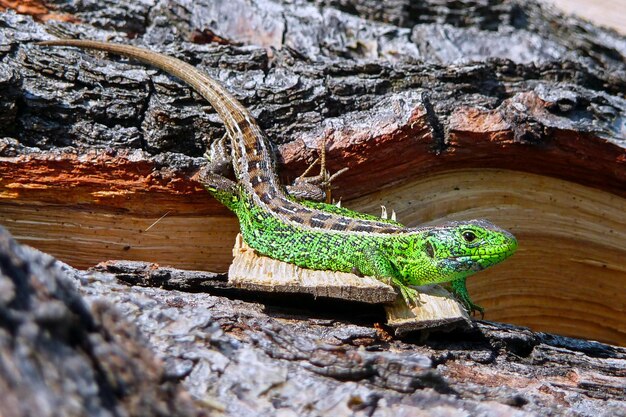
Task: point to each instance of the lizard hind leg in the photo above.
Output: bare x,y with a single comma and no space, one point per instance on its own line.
315,187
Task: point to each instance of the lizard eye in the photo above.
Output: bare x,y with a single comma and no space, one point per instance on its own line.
469,236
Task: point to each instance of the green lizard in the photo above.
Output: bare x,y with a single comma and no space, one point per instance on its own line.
323,236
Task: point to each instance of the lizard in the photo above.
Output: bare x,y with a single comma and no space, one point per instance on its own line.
319,235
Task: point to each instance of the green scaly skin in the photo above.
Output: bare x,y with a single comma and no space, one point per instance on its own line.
419,256
333,209
322,236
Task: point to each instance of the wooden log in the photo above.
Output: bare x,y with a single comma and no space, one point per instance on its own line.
253,272
437,120
438,309
86,342
97,154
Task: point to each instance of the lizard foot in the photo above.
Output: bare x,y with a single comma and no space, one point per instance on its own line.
410,295
217,157
315,187
472,308
213,181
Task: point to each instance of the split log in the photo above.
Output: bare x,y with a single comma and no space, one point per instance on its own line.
258,273
97,154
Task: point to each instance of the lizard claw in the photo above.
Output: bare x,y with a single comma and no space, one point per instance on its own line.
316,187
474,308
411,296
459,289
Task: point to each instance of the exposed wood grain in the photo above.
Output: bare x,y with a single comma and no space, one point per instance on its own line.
568,272
570,257
259,273
609,13
85,236
437,310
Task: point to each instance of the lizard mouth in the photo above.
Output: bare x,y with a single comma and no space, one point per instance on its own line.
494,256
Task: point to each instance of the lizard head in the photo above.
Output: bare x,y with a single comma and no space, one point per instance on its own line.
453,250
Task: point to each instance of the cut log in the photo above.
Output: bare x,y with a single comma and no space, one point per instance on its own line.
569,271
438,121
441,110
438,309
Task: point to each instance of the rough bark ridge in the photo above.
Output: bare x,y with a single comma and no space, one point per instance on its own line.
329,64
60,357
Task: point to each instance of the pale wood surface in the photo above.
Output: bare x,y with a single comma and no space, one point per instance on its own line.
438,309
609,13
567,276
404,90
259,273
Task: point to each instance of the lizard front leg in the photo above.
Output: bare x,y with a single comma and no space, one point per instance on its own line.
212,175
215,182
217,155
460,290
376,264
223,189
